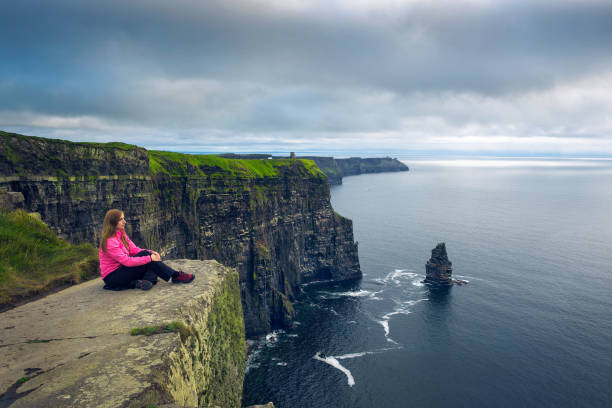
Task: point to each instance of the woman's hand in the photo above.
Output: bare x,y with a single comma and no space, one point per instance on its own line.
155,257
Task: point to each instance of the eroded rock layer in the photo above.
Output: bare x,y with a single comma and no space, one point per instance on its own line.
439,270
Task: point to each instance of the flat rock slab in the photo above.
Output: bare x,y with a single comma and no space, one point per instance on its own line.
74,348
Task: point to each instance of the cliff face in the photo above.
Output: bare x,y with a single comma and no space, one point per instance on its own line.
335,169
271,219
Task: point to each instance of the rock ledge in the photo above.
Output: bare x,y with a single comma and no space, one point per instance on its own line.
74,348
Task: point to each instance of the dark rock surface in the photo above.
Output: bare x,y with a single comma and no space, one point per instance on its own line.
439,269
278,231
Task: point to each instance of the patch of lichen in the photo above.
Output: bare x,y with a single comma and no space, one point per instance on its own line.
172,327
262,252
225,326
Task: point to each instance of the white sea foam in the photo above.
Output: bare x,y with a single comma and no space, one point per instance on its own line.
313,283
336,364
396,276
385,325
364,353
401,309
355,293
358,293
333,360
272,338
414,302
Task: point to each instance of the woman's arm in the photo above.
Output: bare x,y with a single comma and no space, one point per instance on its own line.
115,251
133,249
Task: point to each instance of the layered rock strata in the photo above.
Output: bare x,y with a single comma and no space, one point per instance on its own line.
439,269
271,219
75,348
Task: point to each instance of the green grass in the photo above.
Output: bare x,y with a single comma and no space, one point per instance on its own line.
110,145
33,260
181,164
172,327
104,146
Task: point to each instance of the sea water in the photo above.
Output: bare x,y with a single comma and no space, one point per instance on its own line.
533,328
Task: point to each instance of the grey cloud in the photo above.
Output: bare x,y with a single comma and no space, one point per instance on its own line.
147,64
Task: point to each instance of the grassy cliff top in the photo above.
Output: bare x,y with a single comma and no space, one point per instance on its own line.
182,164
30,155
104,146
34,261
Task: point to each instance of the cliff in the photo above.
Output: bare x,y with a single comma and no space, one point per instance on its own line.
336,169
271,219
88,347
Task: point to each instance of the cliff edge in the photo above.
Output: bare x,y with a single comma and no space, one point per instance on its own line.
271,219
87,347
336,169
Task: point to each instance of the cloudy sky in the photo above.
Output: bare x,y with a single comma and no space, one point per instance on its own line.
463,76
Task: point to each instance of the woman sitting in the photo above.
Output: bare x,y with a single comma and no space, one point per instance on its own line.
125,266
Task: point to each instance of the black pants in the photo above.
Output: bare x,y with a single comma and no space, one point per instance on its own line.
124,276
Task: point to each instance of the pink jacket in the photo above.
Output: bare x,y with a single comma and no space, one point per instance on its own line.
117,254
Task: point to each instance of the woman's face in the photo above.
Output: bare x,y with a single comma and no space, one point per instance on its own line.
121,223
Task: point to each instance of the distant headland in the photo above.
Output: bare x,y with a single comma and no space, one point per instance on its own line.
335,169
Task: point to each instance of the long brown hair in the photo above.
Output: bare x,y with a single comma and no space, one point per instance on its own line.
109,228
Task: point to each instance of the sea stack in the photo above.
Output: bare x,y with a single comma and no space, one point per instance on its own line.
438,269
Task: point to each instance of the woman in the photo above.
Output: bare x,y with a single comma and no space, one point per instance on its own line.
125,266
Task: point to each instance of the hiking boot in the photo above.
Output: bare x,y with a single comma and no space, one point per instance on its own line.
142,284
182,277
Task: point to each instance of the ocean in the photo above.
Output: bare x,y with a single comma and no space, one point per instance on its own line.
533,328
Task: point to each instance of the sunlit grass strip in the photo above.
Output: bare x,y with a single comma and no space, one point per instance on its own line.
182,164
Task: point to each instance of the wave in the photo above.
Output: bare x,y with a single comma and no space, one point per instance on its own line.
396,276
333,361
269,340
273,337
360,293
350,294
401,309
336,364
